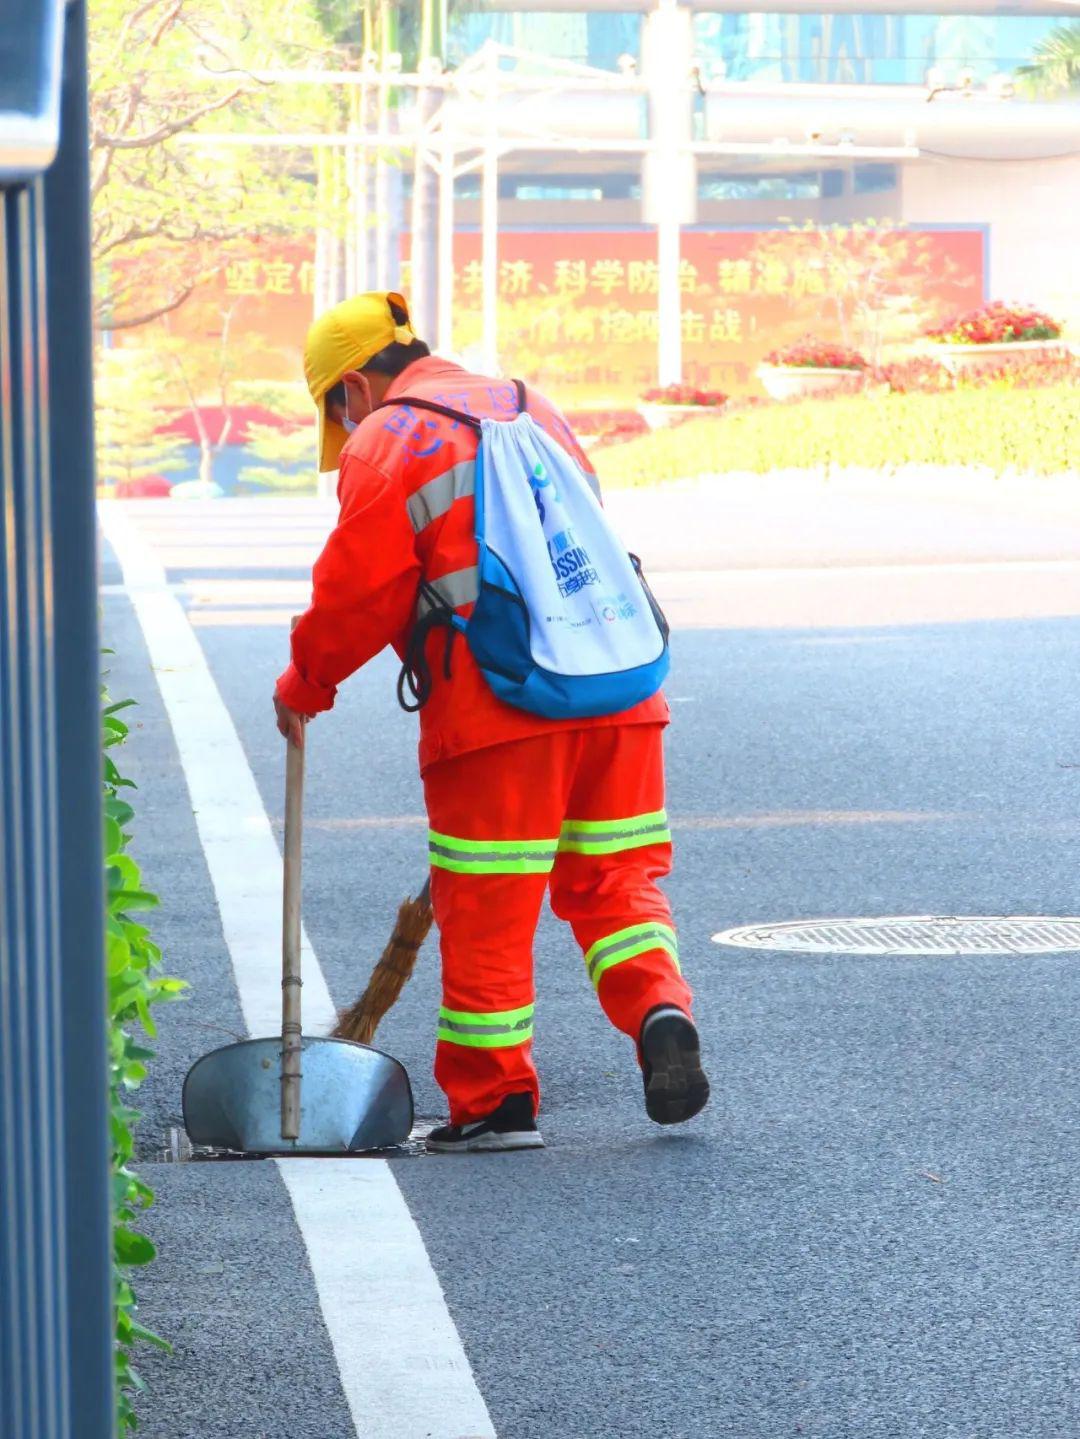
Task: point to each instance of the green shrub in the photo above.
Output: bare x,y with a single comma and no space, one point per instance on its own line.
1036,431
134,987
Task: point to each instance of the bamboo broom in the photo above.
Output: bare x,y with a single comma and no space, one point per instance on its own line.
389,977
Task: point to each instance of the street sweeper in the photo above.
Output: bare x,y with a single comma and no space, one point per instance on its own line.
471,539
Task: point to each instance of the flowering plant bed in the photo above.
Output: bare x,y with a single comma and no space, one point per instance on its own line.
601,423
671,403
815,355
605,427
997,324
995,332
810,368
1008,366
684,396
987,357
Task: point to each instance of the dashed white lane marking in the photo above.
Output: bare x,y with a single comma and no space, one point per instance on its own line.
402,1365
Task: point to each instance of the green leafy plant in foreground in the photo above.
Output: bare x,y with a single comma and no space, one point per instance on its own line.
134,987
998,428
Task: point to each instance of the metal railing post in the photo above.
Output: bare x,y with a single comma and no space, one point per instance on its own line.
56,1366
77,662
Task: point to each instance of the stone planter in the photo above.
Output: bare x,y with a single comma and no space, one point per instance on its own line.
658,417
796,382
959,358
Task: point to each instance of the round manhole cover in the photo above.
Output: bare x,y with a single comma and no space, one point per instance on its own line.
913,934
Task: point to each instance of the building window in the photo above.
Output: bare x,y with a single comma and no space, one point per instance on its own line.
808,185
582,36
872,179
895,49
547,186
556,192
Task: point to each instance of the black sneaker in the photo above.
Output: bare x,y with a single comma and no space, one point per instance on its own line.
511,1126
675,1083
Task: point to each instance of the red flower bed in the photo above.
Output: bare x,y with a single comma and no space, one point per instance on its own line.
997,324
915,376
1022,372
813,354
684,395
603,422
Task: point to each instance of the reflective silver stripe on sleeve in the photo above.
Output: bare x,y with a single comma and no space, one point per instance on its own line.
435,498
459,587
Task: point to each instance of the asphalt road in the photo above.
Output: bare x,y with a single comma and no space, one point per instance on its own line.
873,1230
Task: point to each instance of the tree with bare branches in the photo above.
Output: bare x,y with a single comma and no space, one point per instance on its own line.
161,72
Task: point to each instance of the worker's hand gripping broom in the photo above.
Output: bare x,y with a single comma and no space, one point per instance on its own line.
361,1020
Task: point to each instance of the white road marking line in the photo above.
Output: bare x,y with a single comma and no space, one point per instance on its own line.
402,1364
408,1375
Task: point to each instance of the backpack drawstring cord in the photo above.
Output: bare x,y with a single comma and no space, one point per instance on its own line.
415,677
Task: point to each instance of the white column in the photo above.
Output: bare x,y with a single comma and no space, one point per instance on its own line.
489,261
358,197
423,226
321,239
669,176
340,192
444,288
489,219
382,199
351,231
669,298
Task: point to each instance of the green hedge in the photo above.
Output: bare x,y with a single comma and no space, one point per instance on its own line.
1036,430
134,987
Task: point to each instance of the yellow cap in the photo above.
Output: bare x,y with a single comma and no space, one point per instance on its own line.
344,339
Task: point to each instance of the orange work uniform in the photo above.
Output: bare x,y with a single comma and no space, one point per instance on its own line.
515,801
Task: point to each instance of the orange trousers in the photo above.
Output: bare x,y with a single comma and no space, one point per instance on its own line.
581,810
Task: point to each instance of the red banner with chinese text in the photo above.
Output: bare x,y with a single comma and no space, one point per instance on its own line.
578,310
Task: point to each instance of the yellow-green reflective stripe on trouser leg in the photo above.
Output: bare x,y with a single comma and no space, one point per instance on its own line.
498,1029
609,836
627,944
491,856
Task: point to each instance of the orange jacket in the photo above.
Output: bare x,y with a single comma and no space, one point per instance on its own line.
405,487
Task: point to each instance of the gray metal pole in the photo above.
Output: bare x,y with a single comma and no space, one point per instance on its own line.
77,670
55,1241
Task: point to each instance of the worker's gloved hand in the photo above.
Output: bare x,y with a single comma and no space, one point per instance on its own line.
290,722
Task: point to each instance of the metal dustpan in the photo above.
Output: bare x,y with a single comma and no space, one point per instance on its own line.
293,1094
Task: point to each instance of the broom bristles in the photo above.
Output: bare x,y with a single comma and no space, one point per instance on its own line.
389,977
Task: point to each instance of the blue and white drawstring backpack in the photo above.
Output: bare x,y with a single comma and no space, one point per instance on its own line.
564,624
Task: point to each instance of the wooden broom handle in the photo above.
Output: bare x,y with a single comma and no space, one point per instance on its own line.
291,1033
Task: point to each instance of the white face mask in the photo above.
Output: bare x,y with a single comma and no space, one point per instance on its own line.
346,424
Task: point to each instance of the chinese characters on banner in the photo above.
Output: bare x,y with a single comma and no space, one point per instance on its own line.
276,275
577,310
